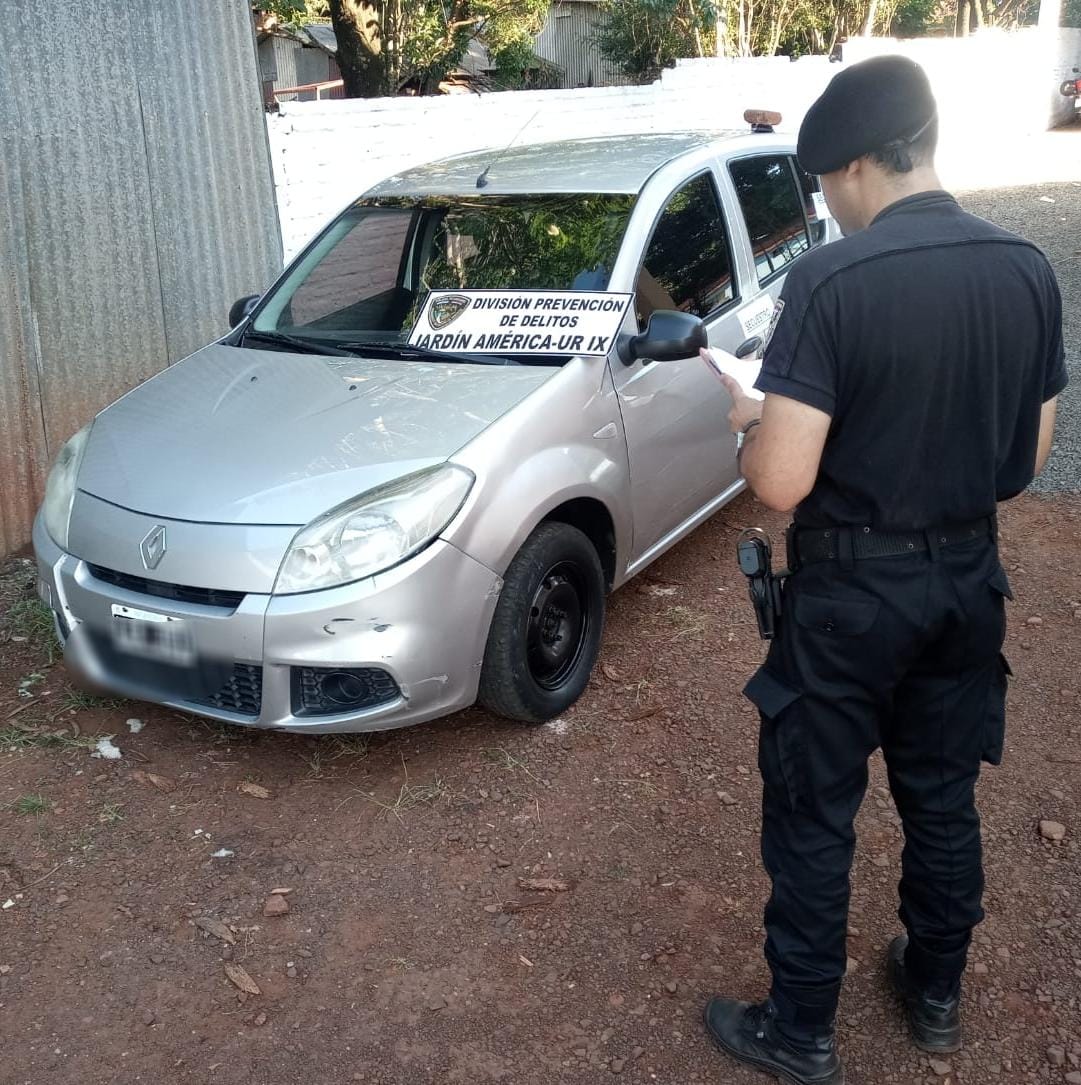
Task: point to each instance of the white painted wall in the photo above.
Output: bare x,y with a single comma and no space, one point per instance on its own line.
993,87
327,153
1067,58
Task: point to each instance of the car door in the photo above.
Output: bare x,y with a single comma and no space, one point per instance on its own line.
680,451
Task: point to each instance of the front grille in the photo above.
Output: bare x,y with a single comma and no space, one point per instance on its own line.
225,684
241,693
210,597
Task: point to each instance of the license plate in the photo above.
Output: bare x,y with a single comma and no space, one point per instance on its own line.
159,637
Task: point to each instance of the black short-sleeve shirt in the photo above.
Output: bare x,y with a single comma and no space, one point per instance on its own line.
932,338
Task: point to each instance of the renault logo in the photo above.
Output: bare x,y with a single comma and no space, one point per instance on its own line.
153,547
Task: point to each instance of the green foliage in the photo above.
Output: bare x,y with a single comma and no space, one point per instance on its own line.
645,36
32,619
434,38
429,50
414,44
13,739
913,17
1071,13
517,67
502,24
31,805
296,12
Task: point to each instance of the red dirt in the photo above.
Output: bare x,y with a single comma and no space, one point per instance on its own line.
410,953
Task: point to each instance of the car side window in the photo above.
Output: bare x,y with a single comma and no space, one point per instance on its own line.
773,210
688,263
361,272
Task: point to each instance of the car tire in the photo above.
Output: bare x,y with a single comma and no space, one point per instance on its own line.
546,631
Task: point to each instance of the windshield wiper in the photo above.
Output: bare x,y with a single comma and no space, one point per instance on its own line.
305,346
409,352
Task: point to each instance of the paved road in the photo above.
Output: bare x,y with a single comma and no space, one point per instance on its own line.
1056,227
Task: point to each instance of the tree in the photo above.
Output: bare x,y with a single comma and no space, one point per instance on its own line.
912,18
969,15
388,46
517,66
645,36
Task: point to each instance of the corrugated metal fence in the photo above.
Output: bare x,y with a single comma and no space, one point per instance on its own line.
569,39
136,203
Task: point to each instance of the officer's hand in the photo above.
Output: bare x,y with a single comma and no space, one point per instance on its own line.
744,408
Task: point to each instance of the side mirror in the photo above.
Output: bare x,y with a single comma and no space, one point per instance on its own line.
241,309
669,336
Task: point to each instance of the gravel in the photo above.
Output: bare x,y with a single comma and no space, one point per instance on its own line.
1056,228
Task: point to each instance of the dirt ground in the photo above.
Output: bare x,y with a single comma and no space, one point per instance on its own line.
414,950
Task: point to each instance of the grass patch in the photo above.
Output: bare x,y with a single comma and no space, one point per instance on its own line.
26,738
111,813
199,729
31,805
314,761
32,619
77,701
687,622
645,786
348,746
504,759
410,795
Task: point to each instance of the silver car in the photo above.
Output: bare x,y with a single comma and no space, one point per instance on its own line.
327,522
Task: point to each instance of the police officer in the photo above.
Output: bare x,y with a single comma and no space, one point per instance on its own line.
910,382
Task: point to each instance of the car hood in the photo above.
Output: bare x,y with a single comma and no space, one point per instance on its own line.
238,436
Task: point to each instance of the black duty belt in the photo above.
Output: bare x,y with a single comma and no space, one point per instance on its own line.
844,544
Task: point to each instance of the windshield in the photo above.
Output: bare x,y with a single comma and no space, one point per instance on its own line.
367,278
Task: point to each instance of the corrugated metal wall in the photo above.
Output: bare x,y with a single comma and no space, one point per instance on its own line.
569,39
291,64
136,202
285,62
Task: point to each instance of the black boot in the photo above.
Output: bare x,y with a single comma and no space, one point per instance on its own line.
751,1035
935,1022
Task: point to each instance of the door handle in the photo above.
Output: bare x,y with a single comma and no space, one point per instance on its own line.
748,347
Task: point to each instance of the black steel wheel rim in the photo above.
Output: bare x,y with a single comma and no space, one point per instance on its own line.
557,625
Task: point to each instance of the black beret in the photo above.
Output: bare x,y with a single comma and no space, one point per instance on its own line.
865,108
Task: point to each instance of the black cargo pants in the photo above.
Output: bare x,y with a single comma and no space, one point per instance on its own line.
903,653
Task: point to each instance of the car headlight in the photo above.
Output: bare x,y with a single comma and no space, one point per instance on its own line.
375,531
60,488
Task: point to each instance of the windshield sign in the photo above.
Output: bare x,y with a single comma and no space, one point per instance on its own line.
370,277
520,321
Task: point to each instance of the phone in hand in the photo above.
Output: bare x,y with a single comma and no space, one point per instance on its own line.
743,370
709,356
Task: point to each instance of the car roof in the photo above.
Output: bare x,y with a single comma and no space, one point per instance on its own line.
593,164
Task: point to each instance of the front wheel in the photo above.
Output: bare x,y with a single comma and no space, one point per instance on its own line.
546,631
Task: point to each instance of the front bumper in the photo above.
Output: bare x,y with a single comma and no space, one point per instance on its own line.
425,623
